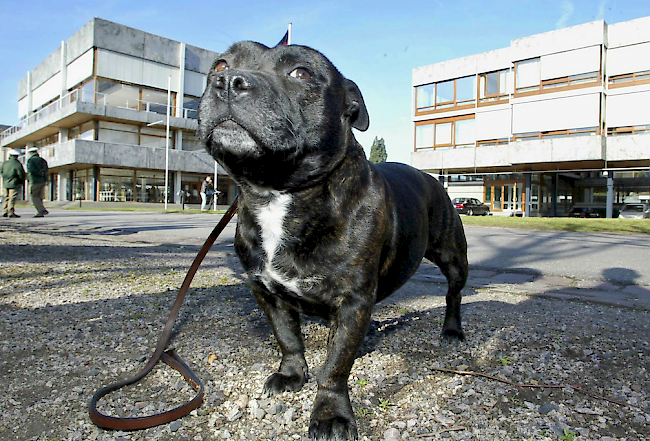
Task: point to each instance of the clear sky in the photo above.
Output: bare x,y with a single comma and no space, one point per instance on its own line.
374,43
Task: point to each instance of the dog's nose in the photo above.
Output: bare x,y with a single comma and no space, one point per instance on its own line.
233,84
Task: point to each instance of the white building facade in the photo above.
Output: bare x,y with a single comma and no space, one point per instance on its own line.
97,110
552,123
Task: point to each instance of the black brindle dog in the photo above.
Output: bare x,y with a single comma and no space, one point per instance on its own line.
321,231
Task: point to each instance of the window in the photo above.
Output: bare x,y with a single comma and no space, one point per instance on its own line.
190,107
88,92
629,79
493,86
155,101
150,186
191,142
151,137
557,133
50,140
465,133
527,75
111,93
445,133
571,80
445,94
115,185
423,136
629,130
465,90
118,133
492,142
85,131
424,97
117,95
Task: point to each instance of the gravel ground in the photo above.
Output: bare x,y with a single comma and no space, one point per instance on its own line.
80,311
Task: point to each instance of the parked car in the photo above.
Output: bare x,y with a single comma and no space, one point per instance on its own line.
635,211
470,206
591,210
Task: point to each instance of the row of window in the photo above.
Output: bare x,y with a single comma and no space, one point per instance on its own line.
462,91
459,132
112,93
115,94
629,79
446,133
124,134
523,79
129,185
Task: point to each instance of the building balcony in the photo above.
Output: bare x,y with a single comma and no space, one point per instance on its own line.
78,153
538,154
628,147
75,108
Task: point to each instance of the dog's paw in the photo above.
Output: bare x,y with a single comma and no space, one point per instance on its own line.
332,418
451,335
334,429
278,383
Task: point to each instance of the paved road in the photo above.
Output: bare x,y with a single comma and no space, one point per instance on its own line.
619,259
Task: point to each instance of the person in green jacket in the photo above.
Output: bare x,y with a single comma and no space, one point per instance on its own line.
13,177
37,176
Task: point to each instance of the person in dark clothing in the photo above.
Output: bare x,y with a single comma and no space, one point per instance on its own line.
207,191
13,177
37,176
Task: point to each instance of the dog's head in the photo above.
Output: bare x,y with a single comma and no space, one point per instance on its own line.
279,117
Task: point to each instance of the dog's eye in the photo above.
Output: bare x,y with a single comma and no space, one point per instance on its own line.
221,66
300,73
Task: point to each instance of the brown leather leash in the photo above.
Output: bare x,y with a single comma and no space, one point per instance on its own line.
170,357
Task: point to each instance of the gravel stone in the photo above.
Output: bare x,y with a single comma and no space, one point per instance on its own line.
79,311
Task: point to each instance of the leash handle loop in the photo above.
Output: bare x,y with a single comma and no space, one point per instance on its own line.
170,357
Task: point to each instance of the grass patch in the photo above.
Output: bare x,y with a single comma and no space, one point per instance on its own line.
612,226
144,209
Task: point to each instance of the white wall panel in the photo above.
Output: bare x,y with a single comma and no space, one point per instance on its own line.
628,32
628,59
156,75
493,124
194,83
119,67
557,114
80,69
22,108
631,109
564,64
47,91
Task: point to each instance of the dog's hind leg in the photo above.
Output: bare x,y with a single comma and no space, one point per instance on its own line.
450,254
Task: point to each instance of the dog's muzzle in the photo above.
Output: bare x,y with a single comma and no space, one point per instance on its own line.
233,85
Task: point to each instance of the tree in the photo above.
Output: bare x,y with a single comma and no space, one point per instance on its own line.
378,151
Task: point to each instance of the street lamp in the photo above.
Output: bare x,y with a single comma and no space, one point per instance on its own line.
169,98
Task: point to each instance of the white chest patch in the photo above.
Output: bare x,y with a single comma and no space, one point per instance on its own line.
270,219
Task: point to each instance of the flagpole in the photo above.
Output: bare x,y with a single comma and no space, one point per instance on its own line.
289,32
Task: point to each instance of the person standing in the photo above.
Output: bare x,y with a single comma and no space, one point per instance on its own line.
207,191
37,176
13,177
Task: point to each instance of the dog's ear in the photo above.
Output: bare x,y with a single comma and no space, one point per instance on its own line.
356,108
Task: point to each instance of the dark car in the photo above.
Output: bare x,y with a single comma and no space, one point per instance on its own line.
471,207
588,210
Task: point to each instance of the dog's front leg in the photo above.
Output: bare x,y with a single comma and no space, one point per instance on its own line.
285,322
332,418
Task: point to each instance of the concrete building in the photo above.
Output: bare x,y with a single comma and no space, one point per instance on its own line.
97,110
554,124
